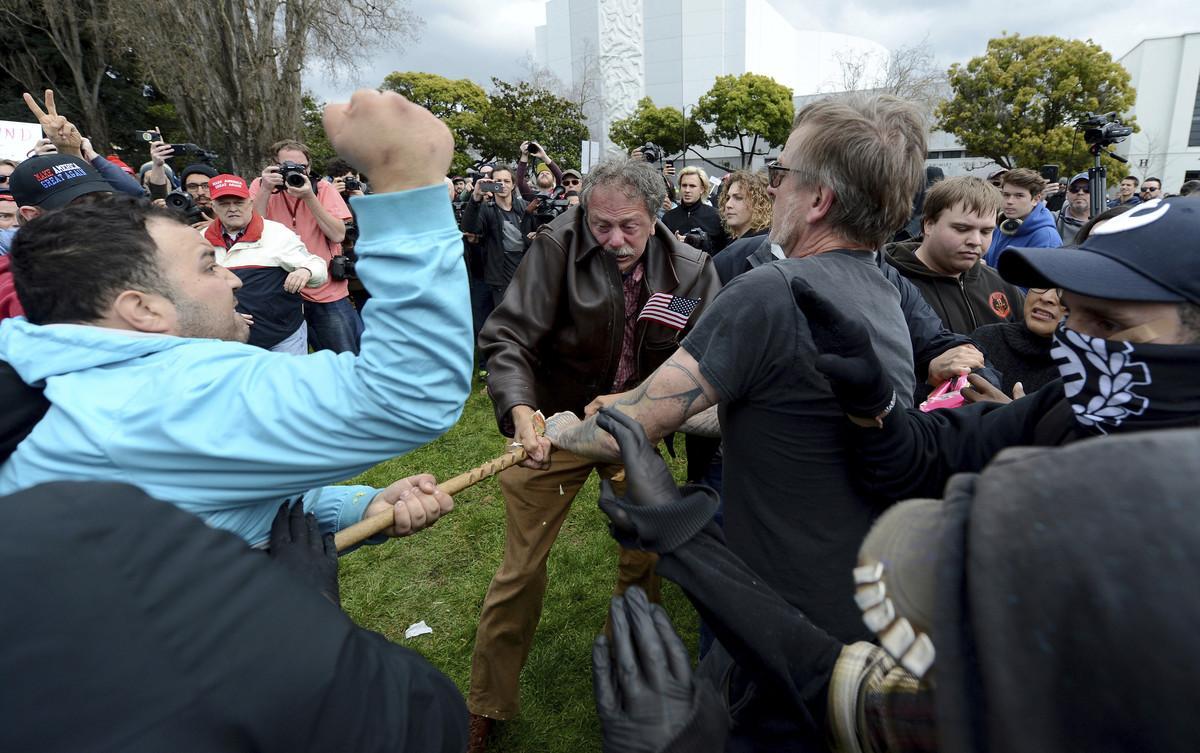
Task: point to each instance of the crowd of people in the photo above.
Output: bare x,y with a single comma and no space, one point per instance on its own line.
941,438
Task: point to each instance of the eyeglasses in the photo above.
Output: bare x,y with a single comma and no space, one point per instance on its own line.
570,182
1080,189
195,186
776,173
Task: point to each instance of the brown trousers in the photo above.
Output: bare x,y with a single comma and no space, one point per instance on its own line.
535,511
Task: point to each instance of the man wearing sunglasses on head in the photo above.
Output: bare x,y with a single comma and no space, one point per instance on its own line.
1076,210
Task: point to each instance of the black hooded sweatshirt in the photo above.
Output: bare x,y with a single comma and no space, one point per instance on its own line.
977,297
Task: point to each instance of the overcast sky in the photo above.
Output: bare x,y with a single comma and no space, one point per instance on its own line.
477,39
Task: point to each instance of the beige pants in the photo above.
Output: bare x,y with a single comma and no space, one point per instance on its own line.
535,512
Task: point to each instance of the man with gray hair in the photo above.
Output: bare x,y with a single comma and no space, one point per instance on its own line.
842,186
603,296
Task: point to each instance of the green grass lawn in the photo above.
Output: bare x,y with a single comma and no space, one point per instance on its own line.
441,576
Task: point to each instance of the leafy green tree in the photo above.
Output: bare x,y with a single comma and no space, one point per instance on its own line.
1019,102
662,125
754,110
458,102
523,112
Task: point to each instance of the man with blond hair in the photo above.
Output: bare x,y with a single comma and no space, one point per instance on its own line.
960,215
842,186
694,222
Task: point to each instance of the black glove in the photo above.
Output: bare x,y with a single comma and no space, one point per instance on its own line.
845,355
297,544
646,697
653,514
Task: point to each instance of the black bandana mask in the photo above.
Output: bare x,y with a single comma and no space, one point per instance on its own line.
1115,385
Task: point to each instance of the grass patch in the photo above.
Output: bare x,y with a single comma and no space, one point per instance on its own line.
441,576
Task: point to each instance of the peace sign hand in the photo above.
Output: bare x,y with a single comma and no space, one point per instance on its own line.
61,132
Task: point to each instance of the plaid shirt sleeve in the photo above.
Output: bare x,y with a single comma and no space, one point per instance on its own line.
877,706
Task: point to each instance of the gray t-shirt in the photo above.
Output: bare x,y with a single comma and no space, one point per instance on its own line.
792,511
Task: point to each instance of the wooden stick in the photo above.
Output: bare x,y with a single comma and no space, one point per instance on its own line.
368,527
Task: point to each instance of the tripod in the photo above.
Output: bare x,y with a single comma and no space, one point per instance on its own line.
1097,176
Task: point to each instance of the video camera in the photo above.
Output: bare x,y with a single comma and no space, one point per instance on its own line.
1103,130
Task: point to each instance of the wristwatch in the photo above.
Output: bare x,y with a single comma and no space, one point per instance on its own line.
877,421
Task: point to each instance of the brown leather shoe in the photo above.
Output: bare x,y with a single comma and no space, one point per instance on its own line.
479,733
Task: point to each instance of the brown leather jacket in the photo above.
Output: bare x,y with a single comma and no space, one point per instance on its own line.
555,340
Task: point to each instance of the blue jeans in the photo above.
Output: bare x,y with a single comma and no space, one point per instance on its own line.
333,326
295,343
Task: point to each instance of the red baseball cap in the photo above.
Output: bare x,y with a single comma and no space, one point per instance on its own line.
228,185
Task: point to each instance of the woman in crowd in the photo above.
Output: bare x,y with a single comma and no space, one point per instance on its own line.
745,205
1021,350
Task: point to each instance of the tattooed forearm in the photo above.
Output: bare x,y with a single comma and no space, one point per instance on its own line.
660,404
703,424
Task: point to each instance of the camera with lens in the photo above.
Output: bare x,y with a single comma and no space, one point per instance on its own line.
293,174
1103,130
652,152
341,267
697,238
352,184
532,147
181,202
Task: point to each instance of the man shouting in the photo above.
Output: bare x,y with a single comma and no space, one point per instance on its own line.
602,298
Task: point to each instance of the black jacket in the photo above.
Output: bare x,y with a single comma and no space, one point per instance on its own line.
129,625
486,220
684,219
977,297
1020,355
23,407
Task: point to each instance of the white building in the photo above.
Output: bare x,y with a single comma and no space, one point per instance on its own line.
673,50
1166,74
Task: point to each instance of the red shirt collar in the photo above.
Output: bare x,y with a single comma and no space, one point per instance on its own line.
214,233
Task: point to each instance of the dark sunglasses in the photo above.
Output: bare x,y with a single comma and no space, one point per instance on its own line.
776,173
1081,189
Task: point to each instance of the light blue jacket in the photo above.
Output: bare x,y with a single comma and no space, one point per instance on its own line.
226,430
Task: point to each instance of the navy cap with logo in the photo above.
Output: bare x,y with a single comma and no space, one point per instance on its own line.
52,181
1146,254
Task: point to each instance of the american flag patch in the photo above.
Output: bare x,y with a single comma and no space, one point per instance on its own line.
671,310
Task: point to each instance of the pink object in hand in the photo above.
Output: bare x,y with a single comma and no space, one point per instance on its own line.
947,395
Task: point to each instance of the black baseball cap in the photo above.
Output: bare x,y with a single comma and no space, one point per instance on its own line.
1146,254
52,181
